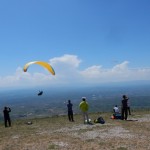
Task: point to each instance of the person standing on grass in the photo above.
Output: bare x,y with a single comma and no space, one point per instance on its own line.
70,111
124,108
6,112
128,107
84,107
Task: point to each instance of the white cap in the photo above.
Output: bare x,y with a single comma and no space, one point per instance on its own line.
84,98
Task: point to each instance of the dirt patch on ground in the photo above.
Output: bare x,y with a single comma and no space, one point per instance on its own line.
133,134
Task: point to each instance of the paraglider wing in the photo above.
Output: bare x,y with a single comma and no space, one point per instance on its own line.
41,63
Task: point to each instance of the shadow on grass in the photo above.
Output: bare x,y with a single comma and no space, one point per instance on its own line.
132,120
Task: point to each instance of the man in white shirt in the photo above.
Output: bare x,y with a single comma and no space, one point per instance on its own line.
116,109
117,114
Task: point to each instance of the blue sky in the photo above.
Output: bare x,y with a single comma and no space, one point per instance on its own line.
86,41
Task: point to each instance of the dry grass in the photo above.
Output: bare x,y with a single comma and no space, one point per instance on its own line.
57,133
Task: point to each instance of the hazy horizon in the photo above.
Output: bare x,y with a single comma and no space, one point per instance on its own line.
26,102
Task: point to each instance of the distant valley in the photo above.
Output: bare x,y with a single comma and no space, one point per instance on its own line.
25,103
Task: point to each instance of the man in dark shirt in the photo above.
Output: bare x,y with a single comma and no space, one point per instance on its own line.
6,112
70,111
124,111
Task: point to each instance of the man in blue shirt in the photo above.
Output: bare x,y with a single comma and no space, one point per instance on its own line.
70,111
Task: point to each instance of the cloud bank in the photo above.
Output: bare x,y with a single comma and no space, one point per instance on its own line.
67,68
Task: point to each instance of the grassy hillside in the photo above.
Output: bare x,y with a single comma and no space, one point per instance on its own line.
57,133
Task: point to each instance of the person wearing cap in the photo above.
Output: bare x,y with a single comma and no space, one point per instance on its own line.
124,108
84,107
70,111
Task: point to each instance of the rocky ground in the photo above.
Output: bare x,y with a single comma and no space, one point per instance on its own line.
57,133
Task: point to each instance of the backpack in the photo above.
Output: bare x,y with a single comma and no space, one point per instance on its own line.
99,120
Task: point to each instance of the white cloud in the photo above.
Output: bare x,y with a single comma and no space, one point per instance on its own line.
69,60
118,73
68,72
